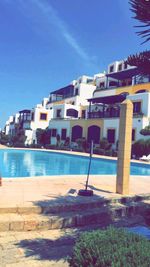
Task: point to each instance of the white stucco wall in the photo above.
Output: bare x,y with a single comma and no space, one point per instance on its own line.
145,100
64,108
107,92
59,125
37,123
85,92
137,124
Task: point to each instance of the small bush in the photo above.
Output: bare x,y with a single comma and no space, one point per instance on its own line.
104,144
50,146
114,153
101,151
108,152
34,146
111,248
141,147
145,131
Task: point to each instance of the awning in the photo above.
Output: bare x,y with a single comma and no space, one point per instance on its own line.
63,90
25,111
108,99
125,74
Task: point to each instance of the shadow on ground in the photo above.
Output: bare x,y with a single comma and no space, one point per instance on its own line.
47,249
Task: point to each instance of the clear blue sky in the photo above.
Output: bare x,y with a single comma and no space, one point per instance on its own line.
44,44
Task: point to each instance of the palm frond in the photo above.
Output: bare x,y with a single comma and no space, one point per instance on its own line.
141,61
141,10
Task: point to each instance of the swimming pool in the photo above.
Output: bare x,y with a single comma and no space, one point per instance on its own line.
27,163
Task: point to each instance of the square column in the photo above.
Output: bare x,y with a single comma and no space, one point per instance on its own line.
124,148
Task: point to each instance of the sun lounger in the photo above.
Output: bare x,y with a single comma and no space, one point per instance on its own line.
145,158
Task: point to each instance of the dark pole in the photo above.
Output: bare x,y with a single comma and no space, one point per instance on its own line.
91,153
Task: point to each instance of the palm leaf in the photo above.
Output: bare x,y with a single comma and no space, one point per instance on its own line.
141,10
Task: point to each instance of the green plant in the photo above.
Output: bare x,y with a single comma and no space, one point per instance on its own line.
18,140
43,136
4,139
145,131
104,144
58,140
82,143
108,152
141,10
112,248
67,141
141,147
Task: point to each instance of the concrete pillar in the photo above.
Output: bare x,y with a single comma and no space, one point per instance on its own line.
124,148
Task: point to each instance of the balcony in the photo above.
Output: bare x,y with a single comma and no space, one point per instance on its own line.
112,113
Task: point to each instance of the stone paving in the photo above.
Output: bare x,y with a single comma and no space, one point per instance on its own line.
45,248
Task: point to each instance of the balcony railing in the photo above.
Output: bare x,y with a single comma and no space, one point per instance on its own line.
104,114
110,114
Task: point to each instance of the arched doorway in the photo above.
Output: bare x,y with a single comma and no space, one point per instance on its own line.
94,134
76,133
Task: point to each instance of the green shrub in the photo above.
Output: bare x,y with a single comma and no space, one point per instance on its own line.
34,146
145,131
110,248
50,147
19,144
114,153
108,152
104,144
82,144
101,151
141,147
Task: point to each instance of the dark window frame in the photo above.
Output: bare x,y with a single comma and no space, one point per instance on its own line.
43,114
54,132
63,134
111,139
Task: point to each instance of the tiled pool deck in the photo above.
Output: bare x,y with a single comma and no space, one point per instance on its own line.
25,191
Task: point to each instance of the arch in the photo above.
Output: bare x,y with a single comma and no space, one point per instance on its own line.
94,134
76,132
72,113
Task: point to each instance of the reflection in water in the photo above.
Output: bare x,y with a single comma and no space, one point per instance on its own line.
22,163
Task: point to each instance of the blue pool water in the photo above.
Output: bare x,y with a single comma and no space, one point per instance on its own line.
23,163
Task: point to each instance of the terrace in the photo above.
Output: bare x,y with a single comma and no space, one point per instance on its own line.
62,93
125,78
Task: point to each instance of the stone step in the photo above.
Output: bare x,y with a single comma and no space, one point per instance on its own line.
103,216
48,207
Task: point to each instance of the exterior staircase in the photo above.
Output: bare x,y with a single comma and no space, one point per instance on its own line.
122,211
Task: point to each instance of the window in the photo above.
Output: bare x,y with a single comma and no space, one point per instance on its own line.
113,83
119,67
102,85
63,134
58,113
76,91
83,114
136,107
111,136
54,132
32,116
111,69
133,134
43,116
125,65
89,80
